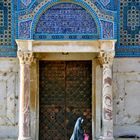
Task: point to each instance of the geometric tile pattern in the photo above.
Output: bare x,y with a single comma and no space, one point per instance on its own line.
7,37
105,2
26,2
36,5
1,18
26,11
133,18
128,29
130,23
109,4
5,22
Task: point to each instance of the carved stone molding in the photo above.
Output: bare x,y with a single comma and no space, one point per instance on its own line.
106,57
25,57
52,50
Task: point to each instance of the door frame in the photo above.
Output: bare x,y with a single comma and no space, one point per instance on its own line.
67,50
63,57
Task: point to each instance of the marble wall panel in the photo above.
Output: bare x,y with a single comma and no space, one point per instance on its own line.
8,98
126,92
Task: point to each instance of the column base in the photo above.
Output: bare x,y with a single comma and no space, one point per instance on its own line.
24,138
106,138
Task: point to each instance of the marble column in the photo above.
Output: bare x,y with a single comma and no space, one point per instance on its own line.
25,59
106,60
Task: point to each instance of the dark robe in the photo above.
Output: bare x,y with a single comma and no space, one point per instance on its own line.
78,132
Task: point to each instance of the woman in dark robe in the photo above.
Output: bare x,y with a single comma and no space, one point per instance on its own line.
78,132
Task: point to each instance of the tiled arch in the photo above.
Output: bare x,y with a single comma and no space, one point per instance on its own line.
27,19
87,11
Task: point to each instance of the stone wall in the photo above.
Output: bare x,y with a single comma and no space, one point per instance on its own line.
126,92
9,98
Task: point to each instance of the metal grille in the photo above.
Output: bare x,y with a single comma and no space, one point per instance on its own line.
65,94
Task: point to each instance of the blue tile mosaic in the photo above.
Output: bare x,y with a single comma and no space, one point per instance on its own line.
110,5
128,29
5,23
71,20
7,29
3,18
107,29
105,2
127,51
24,30
78,19
66,19
130,25
26,2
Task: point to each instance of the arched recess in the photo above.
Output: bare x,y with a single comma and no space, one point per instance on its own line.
82,23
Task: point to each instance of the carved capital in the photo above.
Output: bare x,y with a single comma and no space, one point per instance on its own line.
106,57
25,57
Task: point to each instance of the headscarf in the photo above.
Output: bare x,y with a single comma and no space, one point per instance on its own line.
78,132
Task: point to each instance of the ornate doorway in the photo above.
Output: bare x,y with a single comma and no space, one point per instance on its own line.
65,94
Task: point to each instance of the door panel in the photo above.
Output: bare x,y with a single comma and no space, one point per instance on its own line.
65,94
52,101
78,94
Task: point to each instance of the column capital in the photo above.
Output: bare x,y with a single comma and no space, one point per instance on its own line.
25,57
106,57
